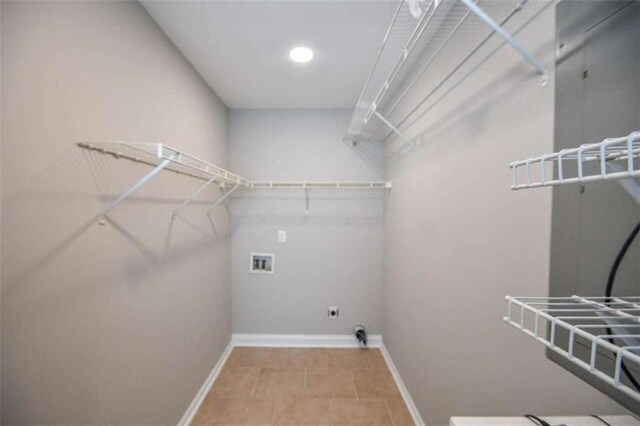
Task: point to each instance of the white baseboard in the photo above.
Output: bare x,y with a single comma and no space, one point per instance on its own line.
204,389
417,418
304,340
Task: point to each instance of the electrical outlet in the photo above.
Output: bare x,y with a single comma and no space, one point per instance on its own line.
282,236
333,312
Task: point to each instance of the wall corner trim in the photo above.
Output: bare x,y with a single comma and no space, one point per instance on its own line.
192,409
406,396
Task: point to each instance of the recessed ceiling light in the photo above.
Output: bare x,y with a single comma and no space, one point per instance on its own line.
301,54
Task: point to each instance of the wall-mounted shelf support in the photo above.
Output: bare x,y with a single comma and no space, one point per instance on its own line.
629,184
540,69
394,129
102,215
192,196
222,198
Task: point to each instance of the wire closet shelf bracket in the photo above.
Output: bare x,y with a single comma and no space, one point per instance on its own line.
609,327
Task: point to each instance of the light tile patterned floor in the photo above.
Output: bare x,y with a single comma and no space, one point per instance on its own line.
287,386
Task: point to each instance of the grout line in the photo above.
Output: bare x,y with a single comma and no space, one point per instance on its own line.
242,355
304,384
273,411
332,399
355,388
255,383
331,419
393,422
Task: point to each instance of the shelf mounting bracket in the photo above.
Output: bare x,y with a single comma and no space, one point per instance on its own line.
222,198
306,198
394,129
540,69
192,196
102,219
629,184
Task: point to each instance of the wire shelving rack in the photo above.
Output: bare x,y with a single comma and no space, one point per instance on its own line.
614,158
609,327
419,34
163,157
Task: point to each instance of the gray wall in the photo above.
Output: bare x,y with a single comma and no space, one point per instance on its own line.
458,240
114,324
0,201
333,256
590,224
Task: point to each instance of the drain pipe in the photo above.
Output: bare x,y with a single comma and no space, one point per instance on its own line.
361,334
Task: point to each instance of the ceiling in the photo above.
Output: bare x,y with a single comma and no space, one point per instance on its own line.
241,48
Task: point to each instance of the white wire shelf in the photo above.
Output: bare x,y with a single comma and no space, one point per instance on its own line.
180,161
163,157
608,327
614,158
322,184
420,31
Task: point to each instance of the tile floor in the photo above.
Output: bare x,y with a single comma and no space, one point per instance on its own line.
290,386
